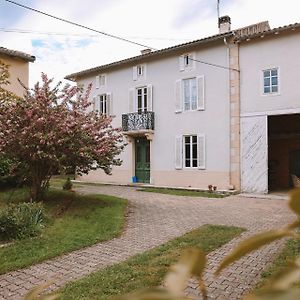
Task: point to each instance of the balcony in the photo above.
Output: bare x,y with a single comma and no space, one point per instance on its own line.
138,122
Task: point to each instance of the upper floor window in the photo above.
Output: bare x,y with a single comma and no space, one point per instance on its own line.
271,84
190,94
103,104
100,80
139,72
186,61
142,99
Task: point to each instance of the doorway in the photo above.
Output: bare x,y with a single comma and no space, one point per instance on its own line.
284,150
142,160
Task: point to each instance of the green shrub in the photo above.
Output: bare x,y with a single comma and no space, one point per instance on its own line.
68,185
21,220
9,173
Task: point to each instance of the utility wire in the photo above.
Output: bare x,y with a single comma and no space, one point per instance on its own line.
16,30
111,35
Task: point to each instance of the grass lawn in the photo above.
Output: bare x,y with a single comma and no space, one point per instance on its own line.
75,221
178,192
289,252
147,269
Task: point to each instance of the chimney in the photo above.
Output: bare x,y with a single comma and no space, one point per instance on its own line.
146,51
224,24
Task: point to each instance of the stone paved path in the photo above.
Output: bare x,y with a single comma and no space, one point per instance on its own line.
154,219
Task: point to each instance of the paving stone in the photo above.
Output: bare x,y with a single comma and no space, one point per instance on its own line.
153,219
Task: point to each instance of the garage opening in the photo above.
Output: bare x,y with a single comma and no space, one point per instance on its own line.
284,151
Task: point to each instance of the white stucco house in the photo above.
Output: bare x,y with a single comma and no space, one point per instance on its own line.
188,111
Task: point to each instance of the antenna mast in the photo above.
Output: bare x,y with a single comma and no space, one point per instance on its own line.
218,10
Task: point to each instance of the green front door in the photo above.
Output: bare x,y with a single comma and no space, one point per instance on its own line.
142,160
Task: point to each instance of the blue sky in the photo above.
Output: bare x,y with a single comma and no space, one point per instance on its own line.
155,23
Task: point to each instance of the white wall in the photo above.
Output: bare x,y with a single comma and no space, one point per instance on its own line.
278,51
213,121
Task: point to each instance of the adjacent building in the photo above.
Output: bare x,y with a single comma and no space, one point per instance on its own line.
18,63
203,112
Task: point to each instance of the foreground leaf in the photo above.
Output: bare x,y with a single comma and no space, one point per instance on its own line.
288,276
192,263
250,244
152,294
291,294
34,294
294,202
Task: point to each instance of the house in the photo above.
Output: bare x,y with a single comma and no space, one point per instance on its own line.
186,110
18,63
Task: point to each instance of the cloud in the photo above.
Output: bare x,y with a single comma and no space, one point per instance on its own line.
200,10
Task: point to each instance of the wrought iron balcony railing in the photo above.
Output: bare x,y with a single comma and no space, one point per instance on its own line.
138,121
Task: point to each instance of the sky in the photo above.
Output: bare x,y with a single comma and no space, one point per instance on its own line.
61,49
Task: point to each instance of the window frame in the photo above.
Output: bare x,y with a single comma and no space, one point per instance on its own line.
104,105
144,93
190,91
263,93
191,157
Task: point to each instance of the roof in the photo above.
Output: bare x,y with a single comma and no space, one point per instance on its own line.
152,54
18,54
290,27
241,34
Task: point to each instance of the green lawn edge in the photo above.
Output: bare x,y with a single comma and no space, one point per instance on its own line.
290,250
179,192
95,218
148,268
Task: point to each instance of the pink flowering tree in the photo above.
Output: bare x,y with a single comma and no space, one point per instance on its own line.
51,129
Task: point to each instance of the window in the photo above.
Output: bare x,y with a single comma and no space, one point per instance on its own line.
139,72
142,99
190,94
103,109
103,104
270,78
186,61
190,151
100,80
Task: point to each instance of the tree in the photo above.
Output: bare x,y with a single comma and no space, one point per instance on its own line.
50,129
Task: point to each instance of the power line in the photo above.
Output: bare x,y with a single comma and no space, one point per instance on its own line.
79,25
111,35
16,30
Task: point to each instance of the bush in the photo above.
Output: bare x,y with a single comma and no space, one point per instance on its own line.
21,220
68,185
9,176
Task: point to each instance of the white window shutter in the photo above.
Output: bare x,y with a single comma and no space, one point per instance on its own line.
181,63
103,80
109,104
150,97
193,62
134,73
97,82
200,93
131,100
201,151
94,103
178,152
178,96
